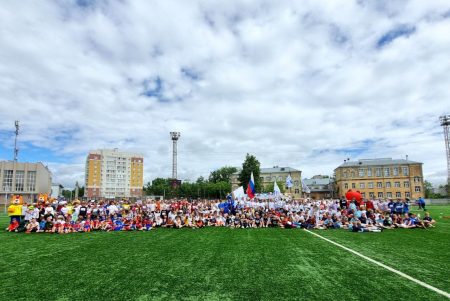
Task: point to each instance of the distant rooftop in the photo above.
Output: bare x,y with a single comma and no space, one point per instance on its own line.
377,161
311,182
275,169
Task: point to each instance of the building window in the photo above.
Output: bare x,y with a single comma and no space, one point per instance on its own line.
369,172
388,184
417,189
371,195
7,180
379,185
398,194
362,185
31,181
387,171
20,178
297,190
380,194
346,185
345,174
267,179
363,195
353,185
389,194
296,183
407,195
416,179
396,184
361,172
405,170
395,171
406,184
370,184
378,172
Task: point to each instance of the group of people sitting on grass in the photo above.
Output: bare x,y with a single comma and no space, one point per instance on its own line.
363,216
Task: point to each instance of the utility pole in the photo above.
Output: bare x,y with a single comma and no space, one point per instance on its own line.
445,123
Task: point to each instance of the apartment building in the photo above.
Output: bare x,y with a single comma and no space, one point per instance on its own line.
114,174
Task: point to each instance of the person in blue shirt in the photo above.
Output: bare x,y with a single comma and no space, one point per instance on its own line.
421,203
328,223
118,225
398,207
391,206
406,206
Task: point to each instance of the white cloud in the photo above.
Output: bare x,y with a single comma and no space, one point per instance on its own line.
296,84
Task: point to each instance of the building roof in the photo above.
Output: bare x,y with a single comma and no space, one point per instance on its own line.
377,161
312,182
277,169
274,169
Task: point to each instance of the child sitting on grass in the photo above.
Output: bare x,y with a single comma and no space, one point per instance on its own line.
13,225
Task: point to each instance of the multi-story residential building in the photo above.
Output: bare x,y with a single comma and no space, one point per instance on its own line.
270,175
381,178
321,187
26,179
114,174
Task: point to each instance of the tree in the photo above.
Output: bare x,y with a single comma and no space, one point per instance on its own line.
251,164
80,192
428,187
269,187
158,186
222,174
67,193
429,191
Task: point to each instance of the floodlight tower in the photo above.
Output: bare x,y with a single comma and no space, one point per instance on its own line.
445,123
16,150
175,136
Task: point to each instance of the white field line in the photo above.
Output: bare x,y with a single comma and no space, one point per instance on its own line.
441,292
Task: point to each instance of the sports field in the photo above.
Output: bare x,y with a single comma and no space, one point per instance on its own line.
225,264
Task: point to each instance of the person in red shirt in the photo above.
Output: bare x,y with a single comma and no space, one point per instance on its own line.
13,225
199,223
369,205
96,224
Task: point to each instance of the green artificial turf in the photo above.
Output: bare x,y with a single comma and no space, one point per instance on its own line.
224,264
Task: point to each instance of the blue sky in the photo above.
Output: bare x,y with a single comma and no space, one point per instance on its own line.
305,84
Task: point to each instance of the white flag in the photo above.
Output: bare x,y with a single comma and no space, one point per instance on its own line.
276,189
305,188
288,181
239,193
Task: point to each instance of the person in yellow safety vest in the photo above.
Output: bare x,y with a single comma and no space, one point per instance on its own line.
15,208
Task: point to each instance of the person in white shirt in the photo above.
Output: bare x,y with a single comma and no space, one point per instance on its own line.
49,210
29,213
64,210
24,209
112,208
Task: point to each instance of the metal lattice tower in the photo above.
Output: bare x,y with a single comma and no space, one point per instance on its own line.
175,136
16,150
445,123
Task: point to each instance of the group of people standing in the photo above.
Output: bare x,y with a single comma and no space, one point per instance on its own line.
87,216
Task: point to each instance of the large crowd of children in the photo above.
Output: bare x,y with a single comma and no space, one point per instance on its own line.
364,216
